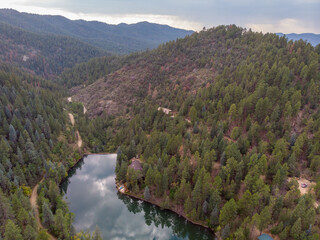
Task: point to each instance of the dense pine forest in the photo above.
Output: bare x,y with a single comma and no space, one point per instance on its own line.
35,146
243,131
225,124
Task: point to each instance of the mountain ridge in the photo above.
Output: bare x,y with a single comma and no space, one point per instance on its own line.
119,39
312,38
43,54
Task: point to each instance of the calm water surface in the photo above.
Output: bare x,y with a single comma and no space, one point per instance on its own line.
91,193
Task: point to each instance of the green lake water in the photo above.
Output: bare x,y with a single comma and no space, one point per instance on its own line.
92,195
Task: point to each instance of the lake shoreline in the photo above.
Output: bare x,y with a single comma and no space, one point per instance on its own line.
169,209
131,195
80,159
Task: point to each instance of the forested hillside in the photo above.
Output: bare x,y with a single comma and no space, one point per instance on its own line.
89,72
117,39
225,124
45,55
242,136
35,144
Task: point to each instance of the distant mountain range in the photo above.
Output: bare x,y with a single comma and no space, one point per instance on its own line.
46,45
43,54
119,39
312,38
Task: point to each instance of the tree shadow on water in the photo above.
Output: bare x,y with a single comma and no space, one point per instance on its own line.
181,228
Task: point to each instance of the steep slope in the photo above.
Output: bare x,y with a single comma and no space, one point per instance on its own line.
244,126
188,63
312,38
34,154
45,55
88,72
119,39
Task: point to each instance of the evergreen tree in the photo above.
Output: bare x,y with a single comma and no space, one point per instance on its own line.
296,230
30,233
228,212
214,216
12,134
225,232
12,231
47,216
147,193
43,235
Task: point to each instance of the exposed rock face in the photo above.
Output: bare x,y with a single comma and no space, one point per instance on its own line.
116,92
113,93
135,164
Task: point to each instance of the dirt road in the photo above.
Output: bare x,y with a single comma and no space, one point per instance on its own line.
35,207
34,194
71,118
79,142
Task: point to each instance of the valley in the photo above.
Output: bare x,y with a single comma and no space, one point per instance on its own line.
213,134
244,143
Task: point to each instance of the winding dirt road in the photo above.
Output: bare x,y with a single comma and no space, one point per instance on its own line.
79,142
35,207
34,194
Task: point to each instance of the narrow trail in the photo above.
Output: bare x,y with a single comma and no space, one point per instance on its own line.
84,108
79,142
71,118
229,139
35,207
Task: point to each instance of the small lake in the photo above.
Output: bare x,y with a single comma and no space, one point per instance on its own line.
91,193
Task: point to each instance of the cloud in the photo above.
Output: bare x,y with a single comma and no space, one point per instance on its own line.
171,20
287,25
267,16
174,21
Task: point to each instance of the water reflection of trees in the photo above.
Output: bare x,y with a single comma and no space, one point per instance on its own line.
73,171
164,218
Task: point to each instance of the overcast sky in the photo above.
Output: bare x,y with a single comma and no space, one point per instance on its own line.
285,16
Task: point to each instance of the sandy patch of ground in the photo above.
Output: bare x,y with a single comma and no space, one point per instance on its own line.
301,181
165,110
71,117
79,142
215,169
307,189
